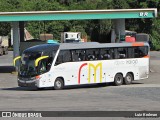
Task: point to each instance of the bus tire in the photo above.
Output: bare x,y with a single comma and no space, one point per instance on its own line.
118,79
59,84
128,79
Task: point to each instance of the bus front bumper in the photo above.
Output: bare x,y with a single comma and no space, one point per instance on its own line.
23,83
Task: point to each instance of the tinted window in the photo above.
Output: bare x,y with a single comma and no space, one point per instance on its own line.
101,54
140,51
130,52
92,54
143,51
105,54
31,56
122,53
63,56
45,65
78,55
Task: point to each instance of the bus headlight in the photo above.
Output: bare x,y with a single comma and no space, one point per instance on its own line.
38,77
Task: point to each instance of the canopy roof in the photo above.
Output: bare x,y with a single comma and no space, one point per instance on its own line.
78,14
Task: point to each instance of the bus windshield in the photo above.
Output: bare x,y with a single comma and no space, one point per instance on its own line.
27,67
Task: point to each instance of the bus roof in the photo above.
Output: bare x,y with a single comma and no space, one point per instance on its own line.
42,47
65,46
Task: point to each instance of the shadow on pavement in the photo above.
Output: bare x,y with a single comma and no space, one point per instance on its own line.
87,86
51,88
18,89
137,82
100,85
7,69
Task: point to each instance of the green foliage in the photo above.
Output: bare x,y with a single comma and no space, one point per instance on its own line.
120,4
155,40
96,30
156,33
4,29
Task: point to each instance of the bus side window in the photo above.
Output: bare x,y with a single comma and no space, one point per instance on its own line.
130,52
105,54
122,53
102,52
136,52
74,56
42,66
140,51
81,55
78,55
112,53
49,63
92,54
64,56
143,51
59,59
96,54
116,55
45,65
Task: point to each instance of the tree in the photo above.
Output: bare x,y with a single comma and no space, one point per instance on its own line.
120,4
97,30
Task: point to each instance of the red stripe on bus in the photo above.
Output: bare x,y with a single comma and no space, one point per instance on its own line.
79,73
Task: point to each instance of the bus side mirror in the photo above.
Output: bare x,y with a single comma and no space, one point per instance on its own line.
38,59
15,59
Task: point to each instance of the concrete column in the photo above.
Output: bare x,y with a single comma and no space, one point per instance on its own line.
21,31
16,40
113,36
119,26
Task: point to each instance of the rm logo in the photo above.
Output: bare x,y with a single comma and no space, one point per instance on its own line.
95,69
93,72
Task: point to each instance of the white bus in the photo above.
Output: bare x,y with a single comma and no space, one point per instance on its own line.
60,65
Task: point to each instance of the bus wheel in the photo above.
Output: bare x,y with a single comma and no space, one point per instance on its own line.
58,84
128,79
118,79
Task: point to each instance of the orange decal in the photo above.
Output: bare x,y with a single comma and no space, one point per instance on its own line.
147,56
138,44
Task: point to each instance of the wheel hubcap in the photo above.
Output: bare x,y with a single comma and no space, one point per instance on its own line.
128,78
118,80
58,84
